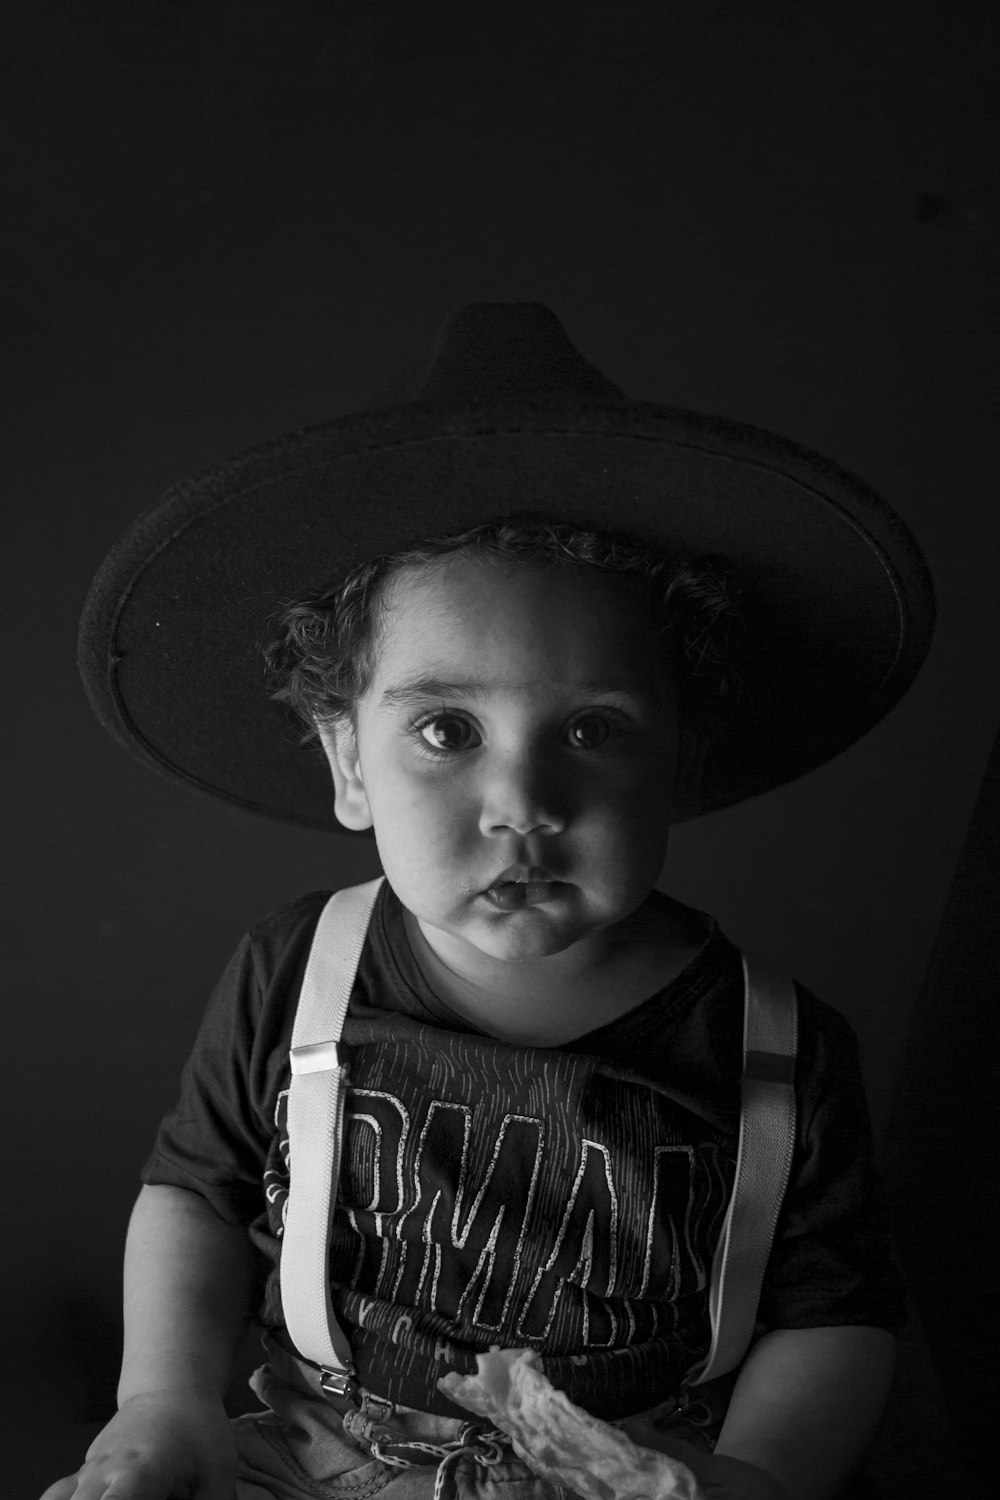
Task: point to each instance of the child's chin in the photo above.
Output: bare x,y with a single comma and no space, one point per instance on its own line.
526,934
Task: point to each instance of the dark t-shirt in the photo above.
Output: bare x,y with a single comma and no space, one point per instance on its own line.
564,1199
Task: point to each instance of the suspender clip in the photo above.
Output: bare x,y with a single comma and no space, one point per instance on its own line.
341,1384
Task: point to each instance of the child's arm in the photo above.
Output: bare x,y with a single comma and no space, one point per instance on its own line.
187,1292
803,1411
807,1403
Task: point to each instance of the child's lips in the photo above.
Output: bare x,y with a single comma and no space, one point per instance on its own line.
512,895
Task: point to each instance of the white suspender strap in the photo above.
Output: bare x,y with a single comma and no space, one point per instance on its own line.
763,1163
315,1128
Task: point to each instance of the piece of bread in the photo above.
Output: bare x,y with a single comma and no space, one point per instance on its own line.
560,1441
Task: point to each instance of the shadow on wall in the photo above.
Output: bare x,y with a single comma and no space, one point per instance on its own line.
943,1160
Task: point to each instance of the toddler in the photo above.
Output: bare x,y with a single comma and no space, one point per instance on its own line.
524,625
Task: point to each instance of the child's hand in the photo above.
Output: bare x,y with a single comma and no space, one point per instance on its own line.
158,1445
719,1478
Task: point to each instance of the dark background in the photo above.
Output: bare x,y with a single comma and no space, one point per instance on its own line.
228,219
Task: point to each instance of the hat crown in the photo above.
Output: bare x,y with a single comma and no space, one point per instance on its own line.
488,351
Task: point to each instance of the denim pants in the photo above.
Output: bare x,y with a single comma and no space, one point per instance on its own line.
301,1447
305,1445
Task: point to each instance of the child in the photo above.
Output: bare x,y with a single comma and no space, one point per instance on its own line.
528,625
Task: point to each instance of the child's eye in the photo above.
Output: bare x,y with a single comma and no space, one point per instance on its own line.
447,732
591,732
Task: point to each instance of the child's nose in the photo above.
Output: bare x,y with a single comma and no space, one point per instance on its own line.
522,795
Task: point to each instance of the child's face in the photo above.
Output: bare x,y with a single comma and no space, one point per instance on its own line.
515,752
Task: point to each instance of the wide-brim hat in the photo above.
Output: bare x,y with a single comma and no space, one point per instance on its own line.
505,417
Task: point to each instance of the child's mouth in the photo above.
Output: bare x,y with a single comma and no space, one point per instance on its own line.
511,895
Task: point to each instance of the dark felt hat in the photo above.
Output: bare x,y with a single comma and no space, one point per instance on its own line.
505,417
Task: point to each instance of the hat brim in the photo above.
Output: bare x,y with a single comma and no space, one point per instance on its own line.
837,592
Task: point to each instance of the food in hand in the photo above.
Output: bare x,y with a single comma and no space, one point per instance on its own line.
561,1442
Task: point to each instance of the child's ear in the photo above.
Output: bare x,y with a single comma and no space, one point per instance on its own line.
350,802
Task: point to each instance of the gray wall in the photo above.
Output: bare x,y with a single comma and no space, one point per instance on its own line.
228,219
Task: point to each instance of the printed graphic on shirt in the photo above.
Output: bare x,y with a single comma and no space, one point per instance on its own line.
517,1197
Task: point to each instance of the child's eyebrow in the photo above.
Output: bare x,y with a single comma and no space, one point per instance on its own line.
413,688
419,689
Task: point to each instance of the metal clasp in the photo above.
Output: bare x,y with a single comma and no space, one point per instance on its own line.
692,1407
339,1383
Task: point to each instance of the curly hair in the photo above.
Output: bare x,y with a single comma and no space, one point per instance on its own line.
324,659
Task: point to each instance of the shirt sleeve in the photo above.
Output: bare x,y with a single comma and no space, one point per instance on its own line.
832,1262
208,1141
216,1139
